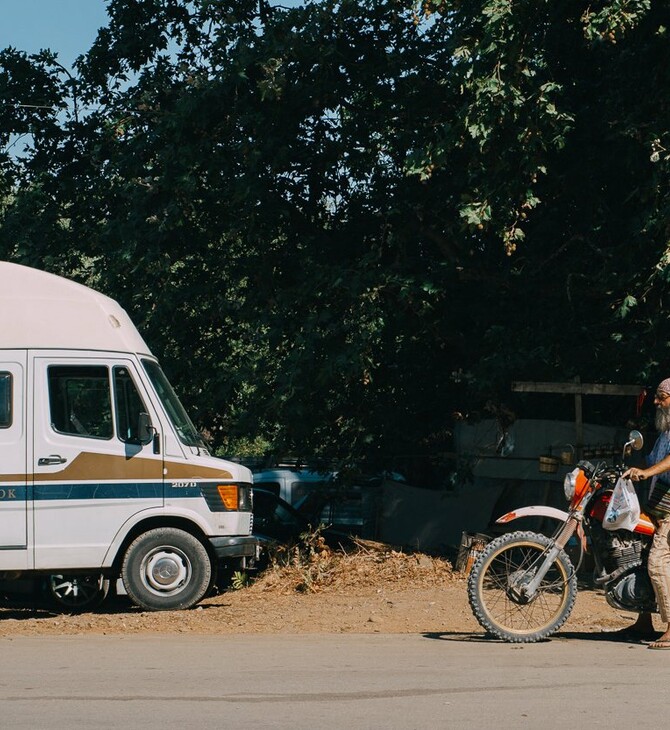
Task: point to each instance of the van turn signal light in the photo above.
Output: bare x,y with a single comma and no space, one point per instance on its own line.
228,494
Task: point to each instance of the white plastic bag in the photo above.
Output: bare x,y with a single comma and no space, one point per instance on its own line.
623,511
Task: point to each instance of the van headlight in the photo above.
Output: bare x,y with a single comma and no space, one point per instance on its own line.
570,483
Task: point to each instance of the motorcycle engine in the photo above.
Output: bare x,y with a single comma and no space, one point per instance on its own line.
617,551
621,560
632,592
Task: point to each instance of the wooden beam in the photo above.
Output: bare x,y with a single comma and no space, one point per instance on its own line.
577,388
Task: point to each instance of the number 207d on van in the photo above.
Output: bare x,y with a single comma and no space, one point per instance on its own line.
102,474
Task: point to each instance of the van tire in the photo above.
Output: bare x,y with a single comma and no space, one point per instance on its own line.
74,592
166,569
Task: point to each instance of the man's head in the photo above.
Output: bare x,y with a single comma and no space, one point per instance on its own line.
662,401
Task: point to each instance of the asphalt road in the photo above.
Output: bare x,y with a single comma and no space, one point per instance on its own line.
329,681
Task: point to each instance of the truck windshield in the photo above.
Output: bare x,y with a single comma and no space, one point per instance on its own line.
183,425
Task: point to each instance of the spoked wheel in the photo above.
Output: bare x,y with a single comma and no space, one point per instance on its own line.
498,595
74,592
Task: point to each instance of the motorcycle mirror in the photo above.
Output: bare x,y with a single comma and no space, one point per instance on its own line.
635,440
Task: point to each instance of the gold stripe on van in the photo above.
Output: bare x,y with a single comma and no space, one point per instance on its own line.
13,478
89,466
180,470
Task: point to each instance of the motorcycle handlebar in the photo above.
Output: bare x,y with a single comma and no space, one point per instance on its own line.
600,470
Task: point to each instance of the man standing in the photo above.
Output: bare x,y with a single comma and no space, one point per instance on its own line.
658,508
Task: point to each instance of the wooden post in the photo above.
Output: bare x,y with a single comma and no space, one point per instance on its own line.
579,423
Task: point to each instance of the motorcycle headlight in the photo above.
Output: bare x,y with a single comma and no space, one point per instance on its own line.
570,483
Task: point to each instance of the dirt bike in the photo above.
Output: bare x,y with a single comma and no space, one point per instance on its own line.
523,586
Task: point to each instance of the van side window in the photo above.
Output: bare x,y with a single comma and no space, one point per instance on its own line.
128,404
302,489
273,487
80,401
5,400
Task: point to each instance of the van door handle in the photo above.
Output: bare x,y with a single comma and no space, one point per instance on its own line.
50,460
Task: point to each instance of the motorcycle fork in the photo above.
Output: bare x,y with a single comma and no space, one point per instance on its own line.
560,541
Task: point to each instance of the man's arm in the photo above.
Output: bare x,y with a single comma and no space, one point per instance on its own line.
637,475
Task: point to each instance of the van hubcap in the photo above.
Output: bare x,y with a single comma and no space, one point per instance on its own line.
166,570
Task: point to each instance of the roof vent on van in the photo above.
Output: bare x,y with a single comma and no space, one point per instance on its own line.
114,321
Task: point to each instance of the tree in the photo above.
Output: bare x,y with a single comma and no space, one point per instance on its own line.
564,116
339,223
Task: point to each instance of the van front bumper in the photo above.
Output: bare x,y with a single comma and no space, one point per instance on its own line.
237,546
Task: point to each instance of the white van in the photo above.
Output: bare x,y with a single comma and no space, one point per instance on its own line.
102,474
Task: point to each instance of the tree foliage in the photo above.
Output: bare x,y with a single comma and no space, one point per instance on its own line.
339,223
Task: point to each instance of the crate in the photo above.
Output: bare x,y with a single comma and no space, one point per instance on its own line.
471,547
548,464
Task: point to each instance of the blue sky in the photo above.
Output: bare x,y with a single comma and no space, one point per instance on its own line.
67,27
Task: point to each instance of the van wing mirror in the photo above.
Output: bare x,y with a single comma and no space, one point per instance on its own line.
145,429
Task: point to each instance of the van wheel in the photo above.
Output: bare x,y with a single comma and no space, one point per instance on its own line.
166,569
75,592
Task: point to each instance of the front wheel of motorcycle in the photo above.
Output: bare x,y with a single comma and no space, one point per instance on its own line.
495,588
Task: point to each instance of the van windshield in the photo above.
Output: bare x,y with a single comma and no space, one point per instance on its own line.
183,425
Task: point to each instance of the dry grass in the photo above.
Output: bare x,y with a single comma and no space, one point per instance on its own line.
313,567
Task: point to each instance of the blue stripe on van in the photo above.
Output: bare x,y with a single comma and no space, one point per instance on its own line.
13,493
110,490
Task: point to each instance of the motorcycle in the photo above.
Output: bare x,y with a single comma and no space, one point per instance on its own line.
523,586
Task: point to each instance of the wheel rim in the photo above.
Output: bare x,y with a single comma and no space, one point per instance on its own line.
75,590
166,570
504,568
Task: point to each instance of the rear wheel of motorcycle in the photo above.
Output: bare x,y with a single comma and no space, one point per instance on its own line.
503,563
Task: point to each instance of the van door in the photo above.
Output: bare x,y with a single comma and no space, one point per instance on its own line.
93,469
13,445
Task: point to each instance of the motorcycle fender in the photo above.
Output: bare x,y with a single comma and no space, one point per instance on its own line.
542,511
534,511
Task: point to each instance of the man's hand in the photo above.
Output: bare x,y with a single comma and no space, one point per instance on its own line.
637,475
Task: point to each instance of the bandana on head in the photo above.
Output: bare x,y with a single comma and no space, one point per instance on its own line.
664,387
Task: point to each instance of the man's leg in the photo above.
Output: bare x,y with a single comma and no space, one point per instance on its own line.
643,627
659,572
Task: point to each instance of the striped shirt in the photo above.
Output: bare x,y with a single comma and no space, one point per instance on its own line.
659,494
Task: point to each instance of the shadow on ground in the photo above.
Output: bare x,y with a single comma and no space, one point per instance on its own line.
621,637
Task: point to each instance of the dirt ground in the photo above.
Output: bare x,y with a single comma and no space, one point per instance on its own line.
373,591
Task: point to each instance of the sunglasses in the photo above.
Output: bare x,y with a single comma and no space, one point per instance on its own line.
662,397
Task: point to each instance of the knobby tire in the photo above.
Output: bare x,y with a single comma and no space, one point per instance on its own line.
496,609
